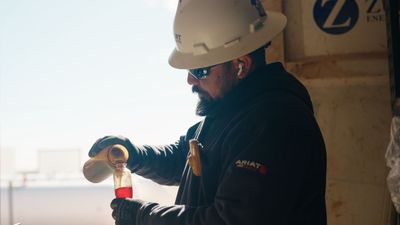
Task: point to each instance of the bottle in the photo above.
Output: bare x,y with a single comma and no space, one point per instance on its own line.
122,181
102,165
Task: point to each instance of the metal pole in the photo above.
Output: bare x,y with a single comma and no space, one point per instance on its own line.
393,35
10,202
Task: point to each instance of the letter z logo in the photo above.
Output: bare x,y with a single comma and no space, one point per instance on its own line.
373,7
336,16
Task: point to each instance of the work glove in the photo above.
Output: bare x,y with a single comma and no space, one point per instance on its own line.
107,141
125,210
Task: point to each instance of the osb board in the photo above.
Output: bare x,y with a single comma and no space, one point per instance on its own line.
354,116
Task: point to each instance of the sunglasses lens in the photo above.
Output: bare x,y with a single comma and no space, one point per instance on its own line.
200,73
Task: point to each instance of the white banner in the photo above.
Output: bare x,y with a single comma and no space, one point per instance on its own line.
332,27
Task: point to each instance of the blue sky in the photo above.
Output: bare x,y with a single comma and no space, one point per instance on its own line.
74,71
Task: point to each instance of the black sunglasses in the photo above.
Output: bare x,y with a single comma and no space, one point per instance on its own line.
201,73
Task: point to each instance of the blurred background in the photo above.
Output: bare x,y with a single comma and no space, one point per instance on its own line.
70,73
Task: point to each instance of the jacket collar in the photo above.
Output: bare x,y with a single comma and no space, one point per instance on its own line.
271,77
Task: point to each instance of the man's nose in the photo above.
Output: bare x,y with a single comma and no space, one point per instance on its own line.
191,80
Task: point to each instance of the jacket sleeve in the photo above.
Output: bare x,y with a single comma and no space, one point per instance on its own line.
162,164
264,175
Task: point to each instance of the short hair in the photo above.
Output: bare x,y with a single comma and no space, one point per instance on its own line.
258,55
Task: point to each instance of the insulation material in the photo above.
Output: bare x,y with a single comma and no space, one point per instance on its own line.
393,161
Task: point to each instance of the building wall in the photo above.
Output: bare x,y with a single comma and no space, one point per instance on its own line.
348,79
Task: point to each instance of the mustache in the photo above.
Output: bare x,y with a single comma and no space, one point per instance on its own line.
196,89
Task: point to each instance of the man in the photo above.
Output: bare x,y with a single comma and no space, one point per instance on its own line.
258,157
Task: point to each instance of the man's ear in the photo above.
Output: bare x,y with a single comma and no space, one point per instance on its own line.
243,66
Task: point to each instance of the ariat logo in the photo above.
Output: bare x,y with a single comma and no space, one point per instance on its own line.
251,165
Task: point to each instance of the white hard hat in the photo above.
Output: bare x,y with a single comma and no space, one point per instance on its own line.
209,32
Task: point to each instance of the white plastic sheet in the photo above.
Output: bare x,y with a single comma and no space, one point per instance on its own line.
393,161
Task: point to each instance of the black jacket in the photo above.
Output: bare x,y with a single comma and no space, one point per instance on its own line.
263,160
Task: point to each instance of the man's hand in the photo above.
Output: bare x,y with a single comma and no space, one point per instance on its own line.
125,210
106,141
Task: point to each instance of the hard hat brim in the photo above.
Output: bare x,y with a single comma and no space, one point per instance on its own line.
273,25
